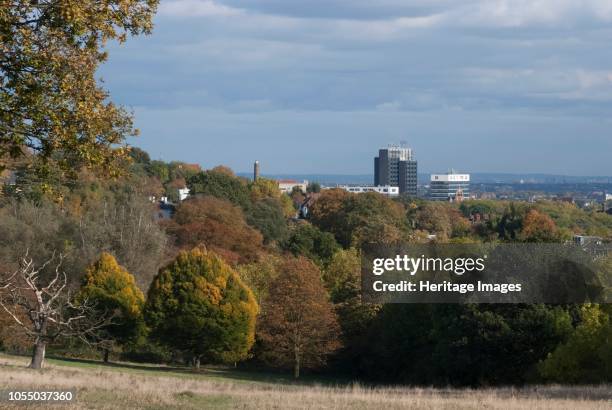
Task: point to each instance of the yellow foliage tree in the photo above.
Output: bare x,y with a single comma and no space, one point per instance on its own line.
199,305
113,290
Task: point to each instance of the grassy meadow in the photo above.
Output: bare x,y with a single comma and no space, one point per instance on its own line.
131,386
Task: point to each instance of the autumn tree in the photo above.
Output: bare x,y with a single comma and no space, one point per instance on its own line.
298,325
355,219
442,219
289,210
218,225
329,210
44,308
222,169
113,289
263,188
259,275
538,227
50,101
198,305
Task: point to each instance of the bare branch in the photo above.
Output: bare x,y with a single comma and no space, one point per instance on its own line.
51,309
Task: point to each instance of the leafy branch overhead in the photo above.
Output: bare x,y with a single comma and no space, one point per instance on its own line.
50,101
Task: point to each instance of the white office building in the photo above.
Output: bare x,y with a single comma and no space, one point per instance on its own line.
449,187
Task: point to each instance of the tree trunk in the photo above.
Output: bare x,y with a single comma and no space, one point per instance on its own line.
38,356
296,367
106,355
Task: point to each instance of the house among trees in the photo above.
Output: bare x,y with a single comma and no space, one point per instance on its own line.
310,199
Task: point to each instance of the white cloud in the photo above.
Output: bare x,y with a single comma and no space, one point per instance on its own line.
560,83
389,106
255,58
196,8
524,13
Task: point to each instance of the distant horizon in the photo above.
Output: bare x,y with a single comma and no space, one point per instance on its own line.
532,174
423,178
456,169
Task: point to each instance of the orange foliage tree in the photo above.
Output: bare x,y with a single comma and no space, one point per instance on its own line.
219,226
298,325
538,227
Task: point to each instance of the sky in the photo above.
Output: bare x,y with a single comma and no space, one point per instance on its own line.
318,86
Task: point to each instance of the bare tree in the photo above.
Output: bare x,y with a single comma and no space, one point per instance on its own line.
50,310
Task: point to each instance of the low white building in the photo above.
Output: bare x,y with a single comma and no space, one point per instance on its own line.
387,190
287,185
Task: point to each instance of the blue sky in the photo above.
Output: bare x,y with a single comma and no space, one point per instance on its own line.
318,86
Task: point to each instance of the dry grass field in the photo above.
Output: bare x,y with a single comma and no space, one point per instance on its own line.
140,387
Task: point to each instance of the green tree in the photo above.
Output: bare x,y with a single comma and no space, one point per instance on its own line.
511,222
287,206
494,344
586,357
159,169
308,240
313,187
462,344
342,274
50,101
260,275
342,278
268,217
113,290
222,186
199,305
139,156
